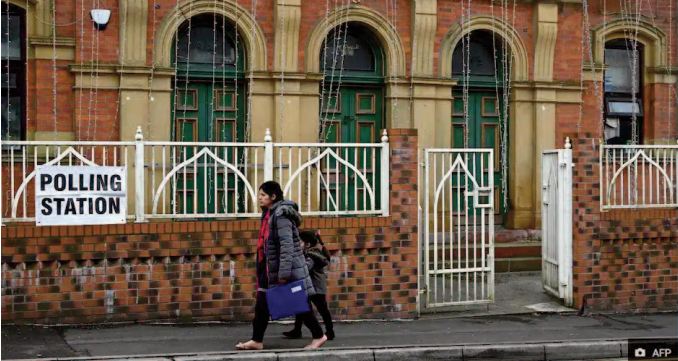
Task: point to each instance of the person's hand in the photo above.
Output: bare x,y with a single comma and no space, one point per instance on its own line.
282,282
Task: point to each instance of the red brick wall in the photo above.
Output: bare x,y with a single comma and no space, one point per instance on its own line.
205,270
624,260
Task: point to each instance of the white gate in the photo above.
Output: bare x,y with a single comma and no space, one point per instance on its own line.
458,227
556,213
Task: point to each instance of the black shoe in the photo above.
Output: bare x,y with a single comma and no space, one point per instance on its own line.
330,335
292,334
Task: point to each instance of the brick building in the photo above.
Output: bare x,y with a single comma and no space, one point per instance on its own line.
514,76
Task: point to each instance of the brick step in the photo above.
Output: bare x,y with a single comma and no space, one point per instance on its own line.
502,265
500,235
509,257
517,264
501,250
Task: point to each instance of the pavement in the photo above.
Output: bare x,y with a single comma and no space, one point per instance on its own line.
533,336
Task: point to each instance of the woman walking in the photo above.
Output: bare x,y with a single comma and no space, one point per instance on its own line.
317,260
279,260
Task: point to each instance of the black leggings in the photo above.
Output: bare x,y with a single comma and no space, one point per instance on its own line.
261,317
321,305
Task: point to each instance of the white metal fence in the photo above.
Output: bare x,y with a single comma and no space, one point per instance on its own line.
638,176
176,180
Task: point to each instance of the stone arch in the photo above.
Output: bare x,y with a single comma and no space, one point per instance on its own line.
388,38
520,68
652,38
255,42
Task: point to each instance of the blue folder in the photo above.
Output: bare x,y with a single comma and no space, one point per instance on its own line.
287,300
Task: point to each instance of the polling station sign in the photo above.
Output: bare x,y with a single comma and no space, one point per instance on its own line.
80,195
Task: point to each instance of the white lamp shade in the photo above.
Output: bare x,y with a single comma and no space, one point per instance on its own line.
100,16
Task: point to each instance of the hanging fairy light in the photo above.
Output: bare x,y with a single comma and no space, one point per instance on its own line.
175,103
7,66
96,80
466,69
90,99
188,60
150,98
54,68
252,60
283,63
81,65
337,53
322,81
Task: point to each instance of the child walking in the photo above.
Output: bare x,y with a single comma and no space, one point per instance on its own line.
317,260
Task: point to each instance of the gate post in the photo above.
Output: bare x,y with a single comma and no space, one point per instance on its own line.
565,231
385,172
139,185
268,156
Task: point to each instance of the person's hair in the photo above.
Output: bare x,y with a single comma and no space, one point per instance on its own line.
272,188
312,237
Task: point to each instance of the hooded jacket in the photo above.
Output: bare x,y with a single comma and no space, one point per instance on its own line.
284,255
317,264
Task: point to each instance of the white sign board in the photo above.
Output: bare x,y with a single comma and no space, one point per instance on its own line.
79,195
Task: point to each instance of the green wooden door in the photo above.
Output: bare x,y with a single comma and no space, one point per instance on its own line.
209,112
354,115
484,131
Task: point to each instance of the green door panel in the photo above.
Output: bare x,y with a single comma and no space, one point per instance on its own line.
354,115
484,131
209,112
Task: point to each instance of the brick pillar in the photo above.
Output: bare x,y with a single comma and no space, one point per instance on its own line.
586,214
404,214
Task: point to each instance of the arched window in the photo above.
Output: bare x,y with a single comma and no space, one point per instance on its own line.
207,43
351,49
482,56
352,53
623,92
13,72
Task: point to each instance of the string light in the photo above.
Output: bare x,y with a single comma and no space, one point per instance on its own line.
188,62
252,61
96,80
7,65
337,32
322,81
54,68
150,97
91,83
82,63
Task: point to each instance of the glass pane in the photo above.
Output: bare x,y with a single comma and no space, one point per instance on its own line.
208,45
11,37
480,56
618,73
349,52
623,107
11,118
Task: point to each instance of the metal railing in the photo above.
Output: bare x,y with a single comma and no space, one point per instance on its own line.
191,180
638,176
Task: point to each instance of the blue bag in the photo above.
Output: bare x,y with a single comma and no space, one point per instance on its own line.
287,300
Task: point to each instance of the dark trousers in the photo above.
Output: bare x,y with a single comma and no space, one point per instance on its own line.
321,305
261,317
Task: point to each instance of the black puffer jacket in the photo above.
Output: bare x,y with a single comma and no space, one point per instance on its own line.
285,258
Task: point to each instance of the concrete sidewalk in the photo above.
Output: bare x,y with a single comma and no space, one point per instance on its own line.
520,337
